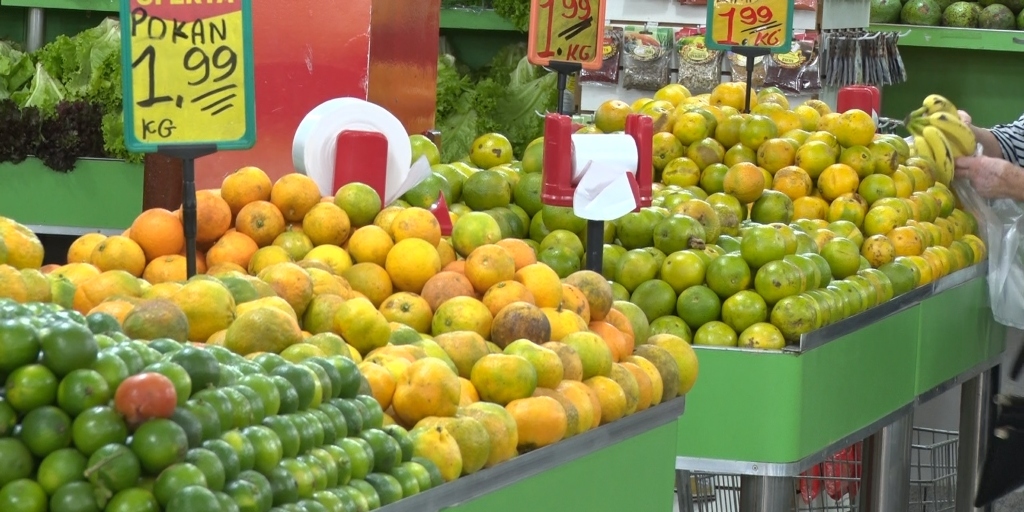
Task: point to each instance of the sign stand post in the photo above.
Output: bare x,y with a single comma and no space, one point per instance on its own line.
188,156
751,53
188,86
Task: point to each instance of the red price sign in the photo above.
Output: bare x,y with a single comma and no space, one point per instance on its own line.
567,31
760,24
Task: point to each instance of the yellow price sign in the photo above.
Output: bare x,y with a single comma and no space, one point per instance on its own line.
567,31
766,24
188,77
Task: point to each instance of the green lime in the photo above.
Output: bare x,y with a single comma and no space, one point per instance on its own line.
359,454
266,446
303,379
341,461
104,342
328,500
346,500
319,473
435,473
227,455
81,390
263,491
421,474
388,488
67,347
158,444
192,499
112,368
336,418
328,464
19,345
362,504
289,398
17,460
229,376
102,323
31,387
177,375
350,376
323,378
8,418
269,361
286,433
201,365
241,408
386,452
221,403
77,496
61,467
332,373
307,436
165,345
207,416
46,430
175,478
190,424
367,491
266,390
313,506
23,496
302,475
113,467
353,418
485,190
227,503
374,417
257,410
133,500
243,448
131,358
283,486
406,478
207,462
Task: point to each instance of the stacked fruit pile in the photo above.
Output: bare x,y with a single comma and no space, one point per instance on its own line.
986,14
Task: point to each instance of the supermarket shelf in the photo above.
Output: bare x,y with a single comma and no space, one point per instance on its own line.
472,19
41,229
75,5
671,13
956,38
488,481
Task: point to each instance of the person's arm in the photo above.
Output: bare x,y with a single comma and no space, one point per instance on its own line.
1004,141
989,144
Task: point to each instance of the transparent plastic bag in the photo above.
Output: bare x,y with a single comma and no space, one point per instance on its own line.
1001,222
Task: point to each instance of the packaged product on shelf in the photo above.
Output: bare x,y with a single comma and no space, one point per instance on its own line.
783,70
700,68
810,77
612,49
646,59
806,5
739,64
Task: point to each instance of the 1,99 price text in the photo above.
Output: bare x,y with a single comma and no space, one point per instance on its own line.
565,29
749,25
187,76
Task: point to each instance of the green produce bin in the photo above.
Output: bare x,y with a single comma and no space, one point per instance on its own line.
98,195
625,465
776,413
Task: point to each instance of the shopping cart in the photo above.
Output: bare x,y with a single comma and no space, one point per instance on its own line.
834,485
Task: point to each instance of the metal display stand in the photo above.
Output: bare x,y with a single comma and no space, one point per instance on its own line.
857,380
606,469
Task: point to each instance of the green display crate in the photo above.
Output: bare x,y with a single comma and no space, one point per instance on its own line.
98,195
627,464
776,412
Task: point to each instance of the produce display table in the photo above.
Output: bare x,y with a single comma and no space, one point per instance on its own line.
769,416
620,466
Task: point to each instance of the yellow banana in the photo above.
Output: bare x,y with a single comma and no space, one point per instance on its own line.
936,103
959,135
916,125
922,148
940,146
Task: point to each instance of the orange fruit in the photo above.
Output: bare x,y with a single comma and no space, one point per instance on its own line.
774,154
520,251
382,383
756,130
213,216
416,223
119,253
370,244
792,181
906,241
234,248
291,282
263,329
488,265
326,224
166,269
810,207
543,283
745,182
113,283
684,355
267,256
611,115
261,221
294,195
427,388
360,201
617,342
370,280
503,378
408,309
244,186
814,156
878,250
80,250
462,314
836,180
690,127
611,397
521,321
541,421
504,293
731,94
159,232
446,285
209,306
573,300
411,263
854,128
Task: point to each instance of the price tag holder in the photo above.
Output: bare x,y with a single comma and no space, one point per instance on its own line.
188,77
765,24
570,31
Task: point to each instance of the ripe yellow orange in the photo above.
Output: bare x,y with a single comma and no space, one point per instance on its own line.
158,232
326,223
745,182
261,221
119,253
416,223
370,244
731,94
294,195
244,186
836,180
80,250
854,128
611,115
792,181
411,263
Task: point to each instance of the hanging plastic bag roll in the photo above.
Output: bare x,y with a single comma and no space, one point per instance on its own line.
315,144
601,165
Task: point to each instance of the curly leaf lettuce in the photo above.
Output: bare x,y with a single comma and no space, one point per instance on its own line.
44,94
16,70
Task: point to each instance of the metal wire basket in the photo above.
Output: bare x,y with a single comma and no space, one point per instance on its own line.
933,460
834,485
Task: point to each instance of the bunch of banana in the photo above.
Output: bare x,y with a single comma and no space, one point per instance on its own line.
940,136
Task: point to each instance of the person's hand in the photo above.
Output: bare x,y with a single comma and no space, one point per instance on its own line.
965,117
990,177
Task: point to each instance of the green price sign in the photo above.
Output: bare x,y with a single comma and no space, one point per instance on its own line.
188,74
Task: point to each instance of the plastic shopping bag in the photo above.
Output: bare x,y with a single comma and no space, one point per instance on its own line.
1001,222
